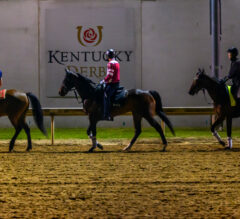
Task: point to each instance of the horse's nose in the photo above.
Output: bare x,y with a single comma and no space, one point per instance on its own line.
191,92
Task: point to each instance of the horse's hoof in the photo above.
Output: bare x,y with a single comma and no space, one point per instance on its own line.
91,150
222,143
29,149
99,146
164,147
227,148
127,148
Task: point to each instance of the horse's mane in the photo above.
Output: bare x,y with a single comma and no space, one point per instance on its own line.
213,79
87,89
86,80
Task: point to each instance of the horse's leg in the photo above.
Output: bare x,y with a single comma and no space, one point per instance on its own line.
90,135
99,146
12,142
229,131
214,132
155,124
93,129
18,127
89,132
138,129
27,130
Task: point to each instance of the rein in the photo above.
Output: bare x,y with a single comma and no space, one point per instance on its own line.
204,94
76,96
84,80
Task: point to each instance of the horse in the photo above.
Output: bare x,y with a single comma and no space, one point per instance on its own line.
221,102
15,105
142,104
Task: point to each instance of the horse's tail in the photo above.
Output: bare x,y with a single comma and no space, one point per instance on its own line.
159,110
37,112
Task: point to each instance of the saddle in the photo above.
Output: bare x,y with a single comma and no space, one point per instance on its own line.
119,96
3,94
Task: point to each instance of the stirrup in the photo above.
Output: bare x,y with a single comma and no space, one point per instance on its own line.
107,118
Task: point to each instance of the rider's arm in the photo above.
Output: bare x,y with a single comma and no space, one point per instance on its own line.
233,70
110,72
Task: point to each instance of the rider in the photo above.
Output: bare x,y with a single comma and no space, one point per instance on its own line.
111,81
0,78
234,73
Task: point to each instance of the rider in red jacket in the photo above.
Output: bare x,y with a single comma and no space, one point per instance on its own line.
111,81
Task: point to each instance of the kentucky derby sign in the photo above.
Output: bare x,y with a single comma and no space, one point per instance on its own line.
80,39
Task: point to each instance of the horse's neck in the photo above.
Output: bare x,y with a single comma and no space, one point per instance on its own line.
84,90
212,88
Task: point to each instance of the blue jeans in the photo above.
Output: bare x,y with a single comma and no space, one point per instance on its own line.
108,93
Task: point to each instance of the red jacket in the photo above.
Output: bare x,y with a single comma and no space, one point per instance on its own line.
113,72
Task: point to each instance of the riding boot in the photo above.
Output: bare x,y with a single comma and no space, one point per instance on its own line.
107,103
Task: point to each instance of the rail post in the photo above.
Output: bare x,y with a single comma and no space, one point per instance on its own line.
52,129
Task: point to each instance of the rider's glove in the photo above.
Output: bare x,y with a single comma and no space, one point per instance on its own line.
102,82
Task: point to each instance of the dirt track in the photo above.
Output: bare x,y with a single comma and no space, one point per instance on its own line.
193,179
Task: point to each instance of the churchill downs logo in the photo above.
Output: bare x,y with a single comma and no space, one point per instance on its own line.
89,62
89,37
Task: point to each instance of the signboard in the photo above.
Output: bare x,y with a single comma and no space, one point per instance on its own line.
78,39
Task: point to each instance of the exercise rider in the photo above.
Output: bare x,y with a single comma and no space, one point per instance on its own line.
234,73
111,82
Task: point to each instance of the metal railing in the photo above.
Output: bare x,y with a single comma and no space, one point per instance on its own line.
52,112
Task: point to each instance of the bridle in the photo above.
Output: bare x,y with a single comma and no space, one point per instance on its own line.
204,94
75,93
203,89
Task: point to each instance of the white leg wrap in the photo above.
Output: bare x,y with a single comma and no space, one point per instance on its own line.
229,139
94,141
217,136
128,147
90,136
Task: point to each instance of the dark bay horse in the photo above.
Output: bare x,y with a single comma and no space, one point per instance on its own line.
221,102
142,104
15,106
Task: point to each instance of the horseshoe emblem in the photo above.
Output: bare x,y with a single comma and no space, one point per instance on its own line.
89,36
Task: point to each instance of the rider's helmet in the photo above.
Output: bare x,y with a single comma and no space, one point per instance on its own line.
110,54
233,51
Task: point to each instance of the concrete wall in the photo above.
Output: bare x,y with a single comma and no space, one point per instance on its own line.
172,41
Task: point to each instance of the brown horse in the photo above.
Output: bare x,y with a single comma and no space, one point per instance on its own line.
219,94
15,106
142,104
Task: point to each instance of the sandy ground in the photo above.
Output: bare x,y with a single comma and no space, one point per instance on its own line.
195,178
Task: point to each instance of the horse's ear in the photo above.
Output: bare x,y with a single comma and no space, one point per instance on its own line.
70,72
199,71
67,70
203,71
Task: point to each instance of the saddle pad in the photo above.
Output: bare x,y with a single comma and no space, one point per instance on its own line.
3,93
119,97
232,100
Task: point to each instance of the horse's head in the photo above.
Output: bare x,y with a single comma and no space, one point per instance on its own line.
198,82
68,82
